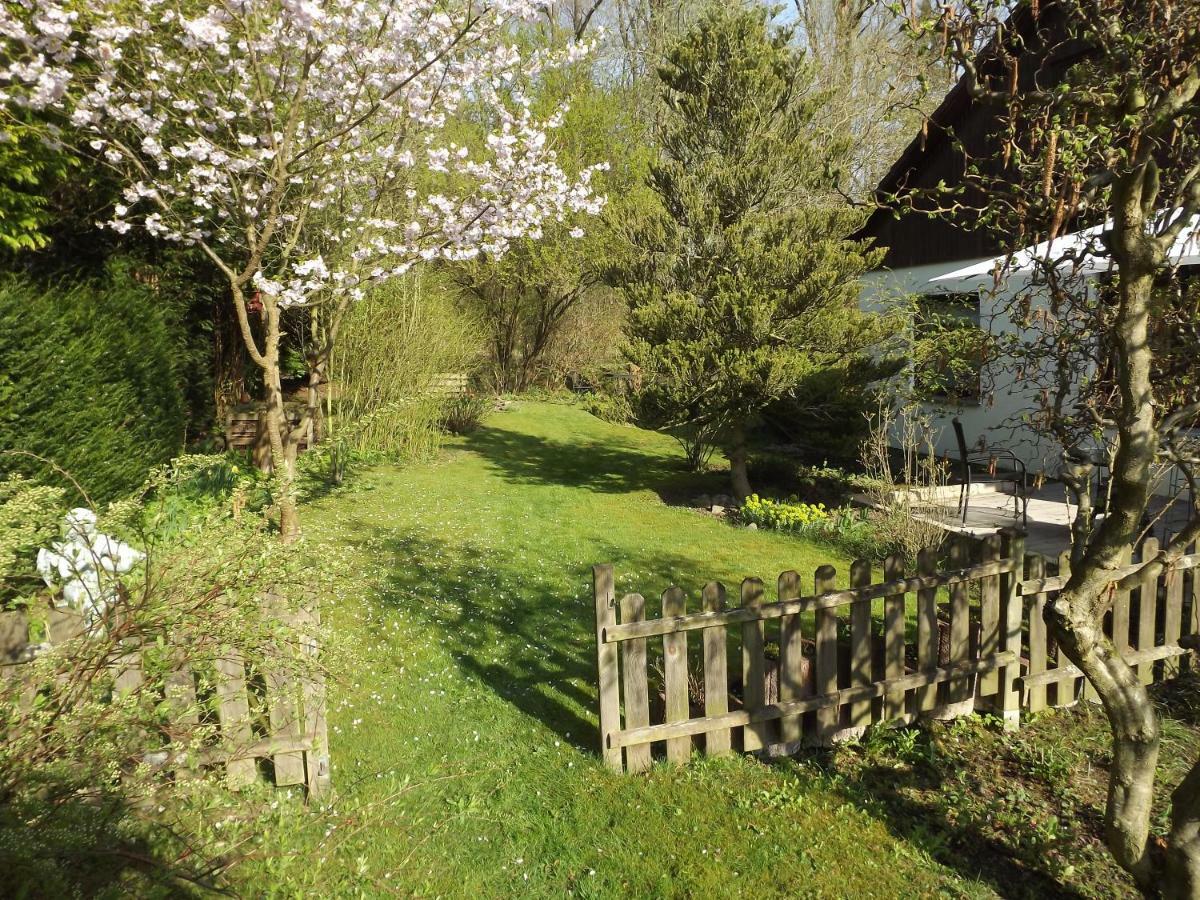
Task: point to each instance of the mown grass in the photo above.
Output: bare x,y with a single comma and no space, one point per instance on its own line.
463,725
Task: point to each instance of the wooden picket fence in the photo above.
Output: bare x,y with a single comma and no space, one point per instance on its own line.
270,717
849,658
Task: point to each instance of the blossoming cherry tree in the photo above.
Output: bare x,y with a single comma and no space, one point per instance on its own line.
303,145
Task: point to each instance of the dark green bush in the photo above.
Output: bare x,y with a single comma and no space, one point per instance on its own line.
90,378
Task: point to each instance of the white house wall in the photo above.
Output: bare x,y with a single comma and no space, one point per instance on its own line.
996,420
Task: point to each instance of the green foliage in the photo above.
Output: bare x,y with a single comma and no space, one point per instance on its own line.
857,532
29,168
1025,806
505,527
502,791
609,407
743,285
82,812
30,517
543,305
783,515
193,487
464,413
949,348
91,381
393,347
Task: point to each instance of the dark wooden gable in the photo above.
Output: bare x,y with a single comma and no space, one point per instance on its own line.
914,238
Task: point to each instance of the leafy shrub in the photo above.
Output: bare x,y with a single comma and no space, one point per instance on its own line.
401,337
785,474
84,810
91,381
29,519
861,533
900,462
29,170
699,443
609,407
464,413
895,531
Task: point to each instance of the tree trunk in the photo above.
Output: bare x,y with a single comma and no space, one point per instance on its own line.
316,421
1182,871
1134,725
282,467
1077,615
739,476
276,425
283,463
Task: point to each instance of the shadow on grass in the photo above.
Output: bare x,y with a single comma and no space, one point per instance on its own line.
884,794
526,632
605,466
70,841
531,642
1021,811
522,623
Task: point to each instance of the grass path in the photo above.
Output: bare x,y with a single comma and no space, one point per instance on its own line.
463,722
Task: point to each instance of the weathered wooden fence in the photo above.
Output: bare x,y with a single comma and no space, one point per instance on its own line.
246,427
268,716
451,384
814,668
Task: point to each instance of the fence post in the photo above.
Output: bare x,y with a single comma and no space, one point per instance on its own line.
927,630
633,667
1010,698
893,640
754,671
1147,612
1172,619
233,713
675,675
283,713
828,717
716,671
861,651
1036,696
989,619
606,665
960,688
791,660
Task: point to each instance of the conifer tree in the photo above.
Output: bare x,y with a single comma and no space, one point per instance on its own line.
743,286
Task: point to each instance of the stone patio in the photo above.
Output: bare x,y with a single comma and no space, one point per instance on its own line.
1048,532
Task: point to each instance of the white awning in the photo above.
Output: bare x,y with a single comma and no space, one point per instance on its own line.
1082,246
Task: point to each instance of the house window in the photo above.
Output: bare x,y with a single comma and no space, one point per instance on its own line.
949,348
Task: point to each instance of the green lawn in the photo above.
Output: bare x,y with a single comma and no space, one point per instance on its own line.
463,723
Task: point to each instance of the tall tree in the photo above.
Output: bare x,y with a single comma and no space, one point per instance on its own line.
527,296
743,287
877,81
1097,126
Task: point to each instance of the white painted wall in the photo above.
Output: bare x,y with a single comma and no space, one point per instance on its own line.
1004,404
995,422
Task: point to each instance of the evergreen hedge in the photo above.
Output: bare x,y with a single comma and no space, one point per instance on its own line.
90,378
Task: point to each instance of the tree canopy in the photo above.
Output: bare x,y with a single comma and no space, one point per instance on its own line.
743,285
